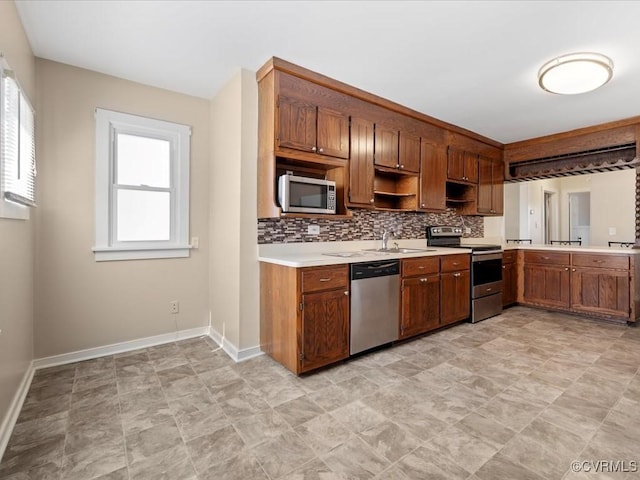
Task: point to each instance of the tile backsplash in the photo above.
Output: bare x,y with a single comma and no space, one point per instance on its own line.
365,225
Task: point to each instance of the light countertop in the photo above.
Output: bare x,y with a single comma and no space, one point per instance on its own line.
312,254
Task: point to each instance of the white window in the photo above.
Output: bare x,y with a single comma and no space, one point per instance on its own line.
142,187
17,148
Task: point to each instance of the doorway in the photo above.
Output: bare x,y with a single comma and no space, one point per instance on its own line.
548,216
580,217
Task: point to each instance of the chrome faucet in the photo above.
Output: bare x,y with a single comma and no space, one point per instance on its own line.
386,236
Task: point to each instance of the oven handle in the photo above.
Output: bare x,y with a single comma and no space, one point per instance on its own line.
480,257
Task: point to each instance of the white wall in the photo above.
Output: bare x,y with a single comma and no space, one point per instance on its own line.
16,240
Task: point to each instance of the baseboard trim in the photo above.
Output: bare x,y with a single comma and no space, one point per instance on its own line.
10,419
121,347
230,349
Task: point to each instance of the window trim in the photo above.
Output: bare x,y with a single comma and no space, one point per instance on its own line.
108,123
17,208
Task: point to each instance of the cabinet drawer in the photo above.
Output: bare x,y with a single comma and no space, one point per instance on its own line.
620,262
453,263
316,279
509,257
550,258
420,266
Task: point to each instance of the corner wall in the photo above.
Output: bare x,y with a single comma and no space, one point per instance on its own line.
233,271
16,242
81,303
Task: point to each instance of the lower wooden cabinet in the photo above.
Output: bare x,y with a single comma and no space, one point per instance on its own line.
509,278
455,295
600,285
324,328
304,315
420,296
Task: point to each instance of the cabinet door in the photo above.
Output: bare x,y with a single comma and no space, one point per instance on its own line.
333,133
547,285
471,167
361,168
433,177
455,164
600,291
386,147
455,296
420,305
497,184
325,328
485,185
509,284
296,124
409,152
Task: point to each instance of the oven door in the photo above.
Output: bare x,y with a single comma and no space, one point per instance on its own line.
486,274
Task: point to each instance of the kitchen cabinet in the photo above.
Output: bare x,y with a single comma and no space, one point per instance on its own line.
396,149
420,296
490,186
361,168
455,288
600,284
547,278
509,278
462,165
304,315
433,177
305,126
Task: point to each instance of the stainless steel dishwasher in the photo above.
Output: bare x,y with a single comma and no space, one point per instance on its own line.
375,296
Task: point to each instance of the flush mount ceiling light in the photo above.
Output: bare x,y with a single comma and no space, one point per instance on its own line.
575,73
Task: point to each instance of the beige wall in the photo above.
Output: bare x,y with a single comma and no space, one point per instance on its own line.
234,265
80,303
16,239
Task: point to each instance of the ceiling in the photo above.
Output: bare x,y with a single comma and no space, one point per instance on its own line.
473,63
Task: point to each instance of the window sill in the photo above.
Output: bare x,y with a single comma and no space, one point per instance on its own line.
13,210
107,254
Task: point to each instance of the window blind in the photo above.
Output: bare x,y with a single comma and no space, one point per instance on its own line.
18,159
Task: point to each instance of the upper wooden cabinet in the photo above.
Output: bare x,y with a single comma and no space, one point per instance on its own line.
397,149
490,186
361,168
462,165
315,126
305,126
433,176
409,154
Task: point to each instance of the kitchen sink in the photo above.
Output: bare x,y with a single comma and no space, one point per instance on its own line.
400,250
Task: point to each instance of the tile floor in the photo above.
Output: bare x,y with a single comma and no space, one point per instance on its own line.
519,396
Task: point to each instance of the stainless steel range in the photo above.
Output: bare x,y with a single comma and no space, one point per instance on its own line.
486,270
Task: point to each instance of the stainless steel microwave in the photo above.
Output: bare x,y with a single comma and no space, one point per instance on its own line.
306,195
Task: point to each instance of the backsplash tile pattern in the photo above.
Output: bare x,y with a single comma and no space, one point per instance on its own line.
365,225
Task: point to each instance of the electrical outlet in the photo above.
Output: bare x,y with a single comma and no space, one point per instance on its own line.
195,242
467,230
612,231
174,306
313,229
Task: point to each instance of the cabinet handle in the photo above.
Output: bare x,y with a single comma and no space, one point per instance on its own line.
546,258
566,269
504,266
599,261
397,165
401,166
313,149
573,269
456,263
489,289
325,279
346,293
321,150
424,280
423,205
421,267
371,201
456,274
